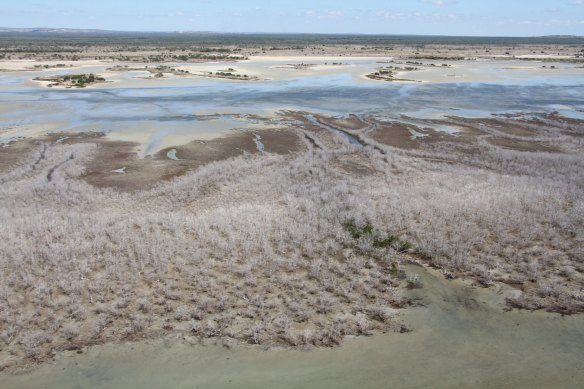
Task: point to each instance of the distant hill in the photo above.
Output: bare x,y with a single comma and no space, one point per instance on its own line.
97,36
561,36
52,30
47,30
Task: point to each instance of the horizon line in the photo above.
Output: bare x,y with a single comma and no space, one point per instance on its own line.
97,30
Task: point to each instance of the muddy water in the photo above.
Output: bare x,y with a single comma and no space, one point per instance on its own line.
461,338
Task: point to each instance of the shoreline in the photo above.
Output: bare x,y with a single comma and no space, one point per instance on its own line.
259,69
437,296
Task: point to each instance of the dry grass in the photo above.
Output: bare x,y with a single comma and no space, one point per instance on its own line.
258,247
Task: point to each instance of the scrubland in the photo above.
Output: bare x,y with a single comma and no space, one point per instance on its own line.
192,47
297,249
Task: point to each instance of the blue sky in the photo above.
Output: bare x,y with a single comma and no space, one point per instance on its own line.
436,17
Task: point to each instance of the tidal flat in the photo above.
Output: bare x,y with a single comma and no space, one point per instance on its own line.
307,226
456,328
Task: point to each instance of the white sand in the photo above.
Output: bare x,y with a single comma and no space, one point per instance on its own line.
29,65
10,133
308,59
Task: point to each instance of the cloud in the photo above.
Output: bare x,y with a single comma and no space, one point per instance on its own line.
388,15
438,3
333,14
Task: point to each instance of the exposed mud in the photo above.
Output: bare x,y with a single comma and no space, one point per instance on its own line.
117,164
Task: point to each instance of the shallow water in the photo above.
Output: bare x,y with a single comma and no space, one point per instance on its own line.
171,154
461,338
160,108
258,142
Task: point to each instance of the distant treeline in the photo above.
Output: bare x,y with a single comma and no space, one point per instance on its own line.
203,40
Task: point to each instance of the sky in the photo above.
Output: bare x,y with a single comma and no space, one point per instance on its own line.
424,17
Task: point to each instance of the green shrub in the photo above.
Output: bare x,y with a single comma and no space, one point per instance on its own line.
367,229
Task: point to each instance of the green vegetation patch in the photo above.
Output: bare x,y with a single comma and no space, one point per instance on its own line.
72,80
380,240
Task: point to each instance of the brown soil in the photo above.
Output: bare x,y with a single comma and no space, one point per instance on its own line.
316,133
396,134
350,122
523,145
142,173
13,153
504,126
281,141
